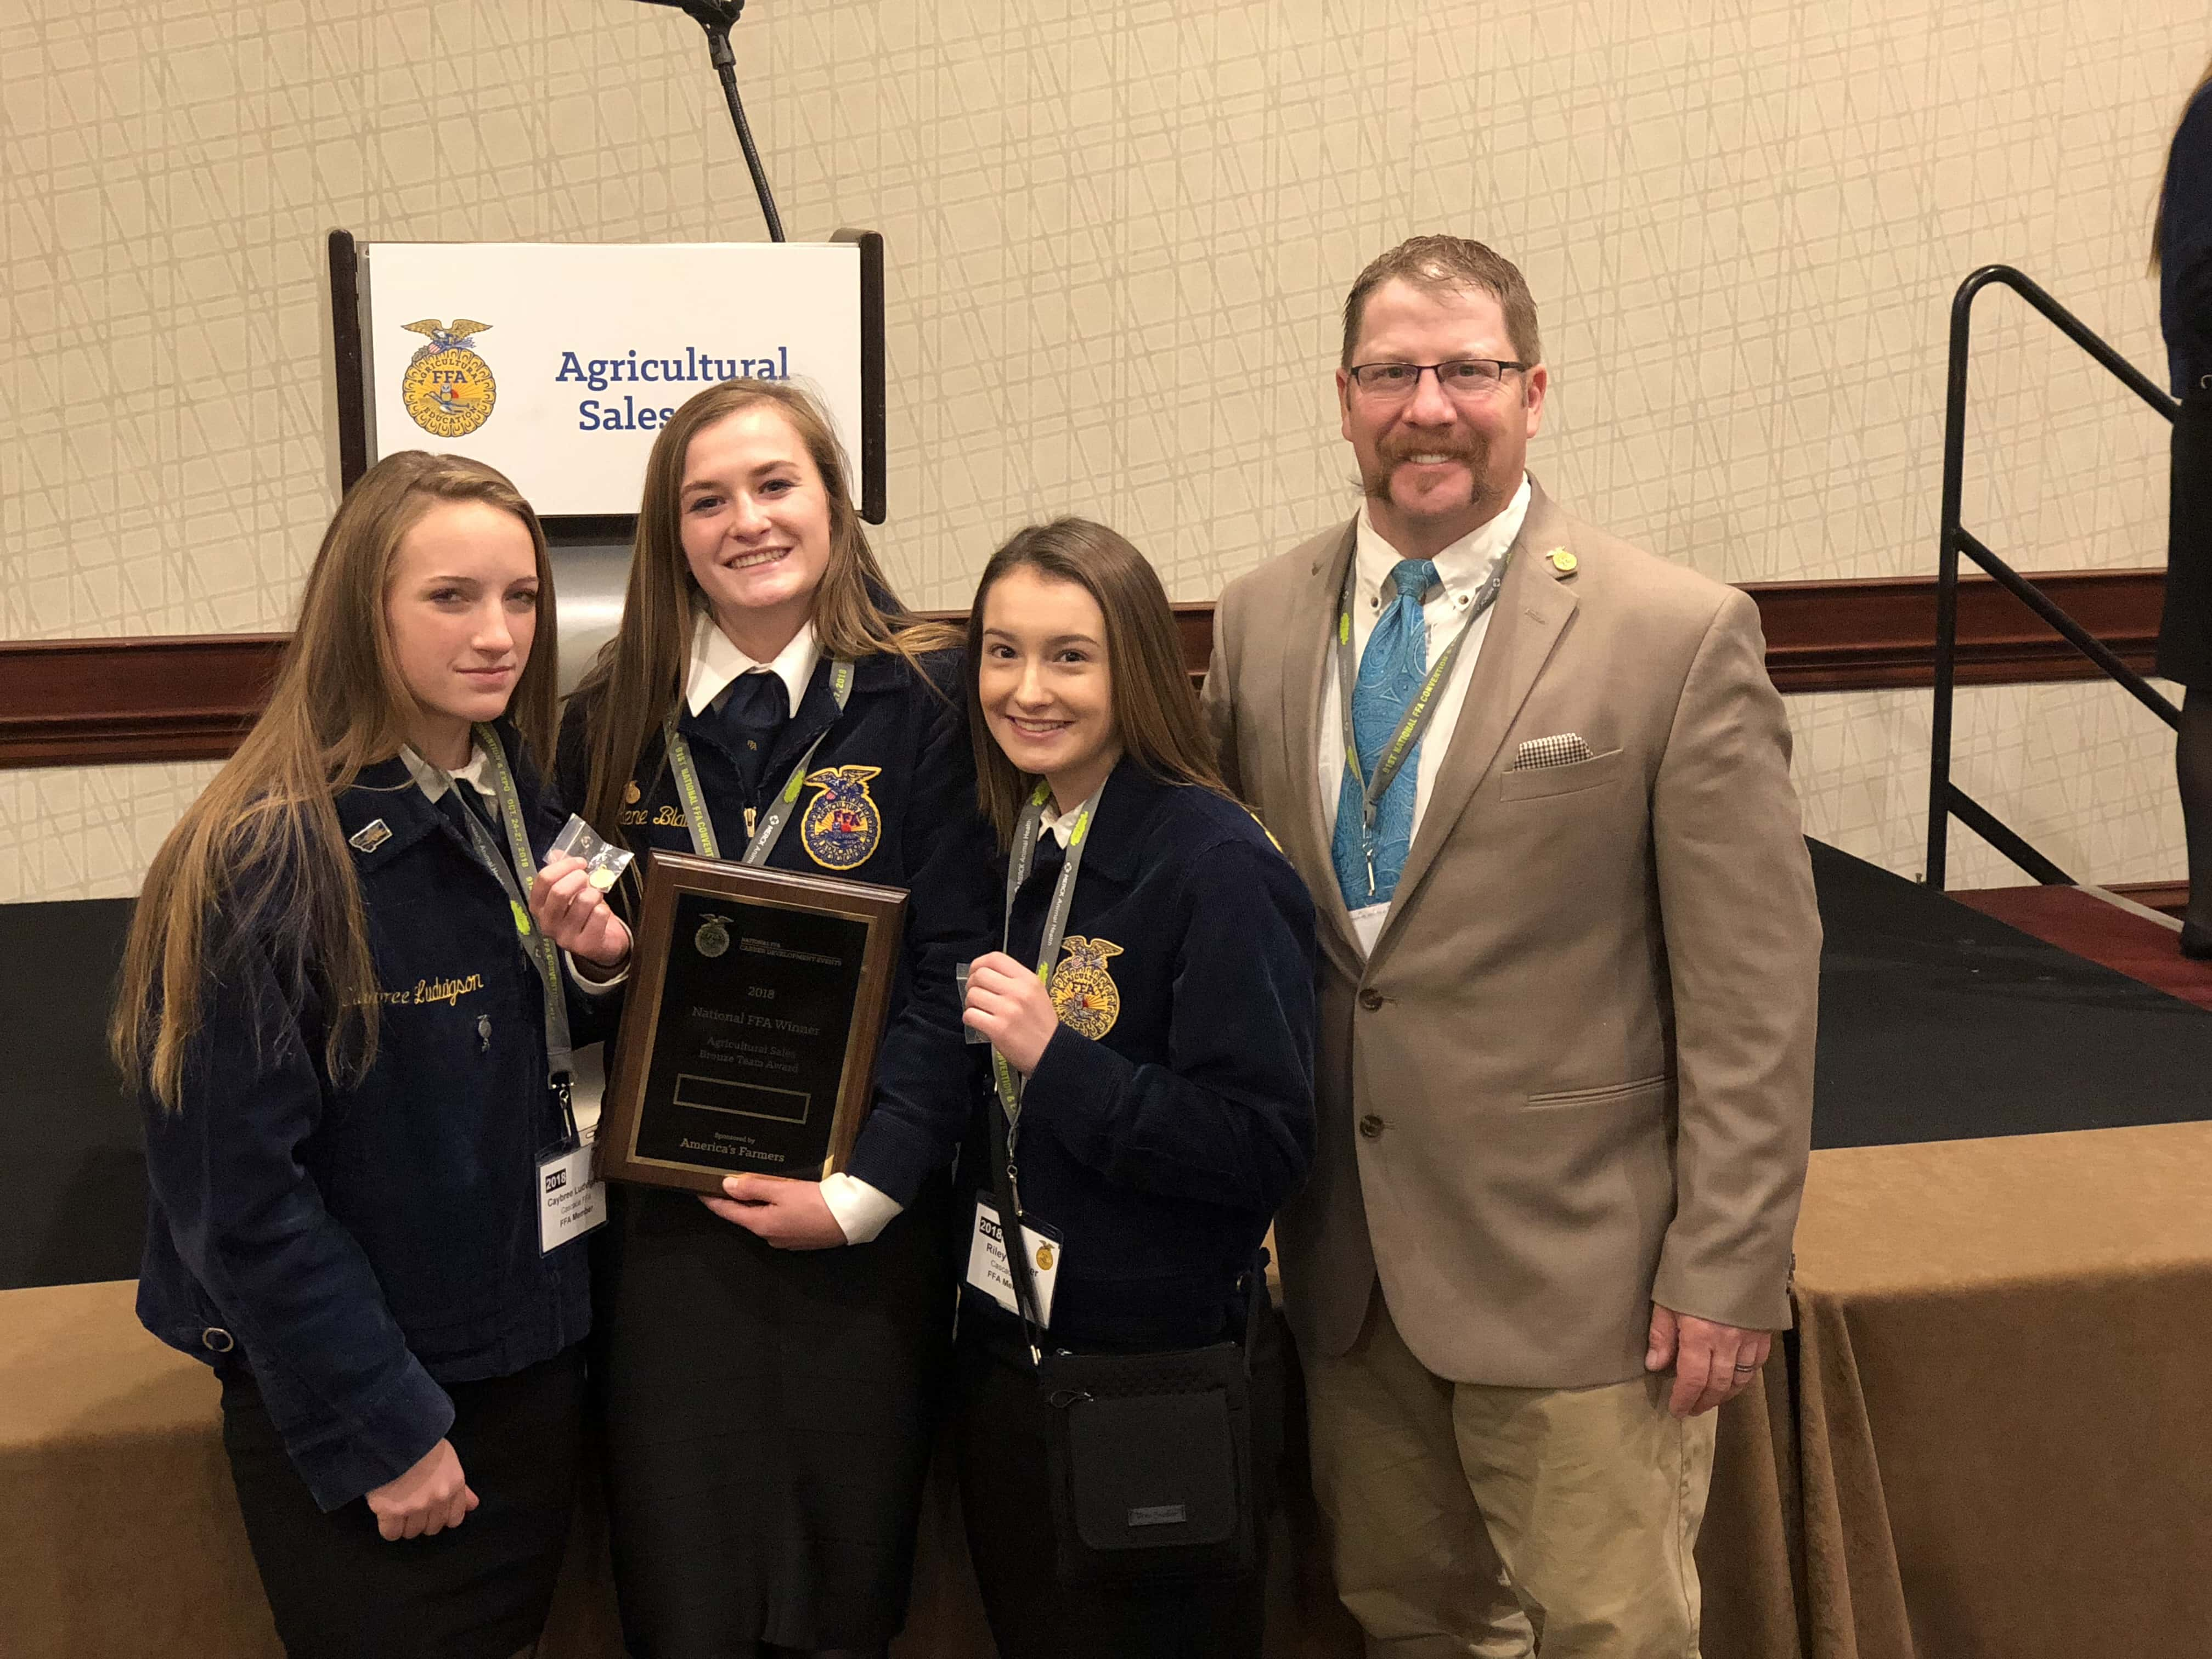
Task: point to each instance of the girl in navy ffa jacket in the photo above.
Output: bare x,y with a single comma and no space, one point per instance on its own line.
770,1357
350,1037
1166,1037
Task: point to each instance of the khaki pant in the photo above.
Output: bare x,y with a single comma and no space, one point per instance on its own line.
1469,1519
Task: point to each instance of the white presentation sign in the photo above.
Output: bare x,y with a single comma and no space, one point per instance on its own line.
557,364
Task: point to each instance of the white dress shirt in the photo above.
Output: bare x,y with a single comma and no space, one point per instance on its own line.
1059,825
1460,570
433,783
715,662
861,1210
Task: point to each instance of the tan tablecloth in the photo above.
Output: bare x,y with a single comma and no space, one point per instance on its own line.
120,1535
1995,1442
2002,1441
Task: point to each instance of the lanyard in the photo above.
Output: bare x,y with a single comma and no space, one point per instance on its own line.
516,871
1027,834
1418,712
779,813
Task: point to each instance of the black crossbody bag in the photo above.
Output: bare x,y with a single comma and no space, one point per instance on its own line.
1150,1454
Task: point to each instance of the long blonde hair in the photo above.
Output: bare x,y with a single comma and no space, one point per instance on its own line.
2158,217
1155,713
263,844
640,672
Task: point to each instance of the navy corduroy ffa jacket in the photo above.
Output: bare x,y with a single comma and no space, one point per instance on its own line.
354,1249
1173,1110
896,766
2185,250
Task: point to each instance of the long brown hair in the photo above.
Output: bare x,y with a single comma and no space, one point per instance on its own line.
262,842
1155,713
2158,218
639,674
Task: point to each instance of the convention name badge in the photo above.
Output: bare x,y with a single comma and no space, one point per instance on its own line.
570,1202
987,1268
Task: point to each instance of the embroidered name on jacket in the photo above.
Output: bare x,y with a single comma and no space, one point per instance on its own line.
840,826
447,991
1083,992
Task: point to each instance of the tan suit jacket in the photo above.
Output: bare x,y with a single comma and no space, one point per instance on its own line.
1576,1073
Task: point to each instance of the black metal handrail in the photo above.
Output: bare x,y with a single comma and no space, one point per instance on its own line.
1945,799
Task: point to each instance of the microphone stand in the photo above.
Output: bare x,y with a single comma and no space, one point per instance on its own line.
716,17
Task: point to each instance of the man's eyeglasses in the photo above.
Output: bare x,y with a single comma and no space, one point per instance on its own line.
1466,378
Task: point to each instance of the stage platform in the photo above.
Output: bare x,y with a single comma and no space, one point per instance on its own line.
1939,1022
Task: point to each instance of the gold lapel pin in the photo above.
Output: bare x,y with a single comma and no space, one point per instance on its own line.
1562,561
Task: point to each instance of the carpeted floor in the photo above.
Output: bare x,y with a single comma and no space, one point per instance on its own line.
2089,927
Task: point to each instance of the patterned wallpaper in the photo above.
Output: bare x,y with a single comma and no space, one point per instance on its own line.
1118,237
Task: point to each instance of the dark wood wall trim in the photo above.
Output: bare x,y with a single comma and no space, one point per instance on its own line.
84,703
91,702
1870,636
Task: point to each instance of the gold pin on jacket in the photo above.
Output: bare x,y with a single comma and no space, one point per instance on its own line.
1562,563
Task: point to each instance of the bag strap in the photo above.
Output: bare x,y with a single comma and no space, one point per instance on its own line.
1009,1234
1256,1303
1017,1258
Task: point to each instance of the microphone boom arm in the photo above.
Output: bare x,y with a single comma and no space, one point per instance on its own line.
717,17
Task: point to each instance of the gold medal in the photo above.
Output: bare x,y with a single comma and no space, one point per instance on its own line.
602,879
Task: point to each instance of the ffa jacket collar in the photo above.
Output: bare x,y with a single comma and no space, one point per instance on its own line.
1134,798
386,794
384,812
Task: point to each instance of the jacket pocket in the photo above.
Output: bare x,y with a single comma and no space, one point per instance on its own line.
1606,1092
1535,782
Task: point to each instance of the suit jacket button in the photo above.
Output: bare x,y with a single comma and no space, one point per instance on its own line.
215,1339
1371,1128
1370,999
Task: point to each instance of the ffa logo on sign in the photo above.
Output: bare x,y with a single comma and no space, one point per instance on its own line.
1084,994
448,388
840,826
713,937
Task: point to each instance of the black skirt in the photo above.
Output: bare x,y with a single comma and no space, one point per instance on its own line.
768,1418
2184,630
479,1590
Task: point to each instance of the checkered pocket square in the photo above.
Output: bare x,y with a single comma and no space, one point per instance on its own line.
1562,749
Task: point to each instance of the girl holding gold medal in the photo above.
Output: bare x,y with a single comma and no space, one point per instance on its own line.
1150,1015
770,1359
351,1035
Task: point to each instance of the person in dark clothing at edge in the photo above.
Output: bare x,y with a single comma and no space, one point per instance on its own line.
351,1039
1168,1108
771,1360
2181,259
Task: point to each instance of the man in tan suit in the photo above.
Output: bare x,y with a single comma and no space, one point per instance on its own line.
1569,964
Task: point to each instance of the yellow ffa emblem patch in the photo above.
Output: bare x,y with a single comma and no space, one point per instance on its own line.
630,795
840,826
448,388
1083,992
